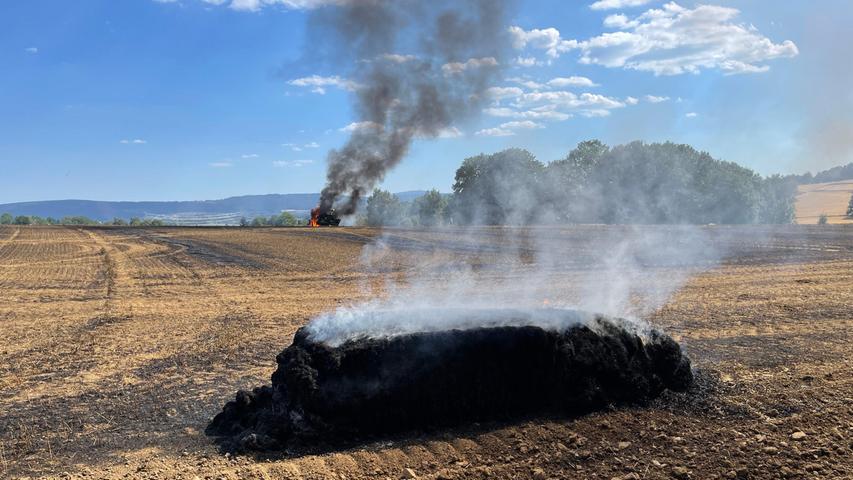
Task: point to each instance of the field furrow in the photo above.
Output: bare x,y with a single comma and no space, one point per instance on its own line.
121,343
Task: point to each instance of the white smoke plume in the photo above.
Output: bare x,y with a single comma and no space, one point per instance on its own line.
511,276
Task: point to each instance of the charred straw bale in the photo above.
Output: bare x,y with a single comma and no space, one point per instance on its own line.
374,386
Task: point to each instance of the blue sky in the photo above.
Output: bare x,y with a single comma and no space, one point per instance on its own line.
203,99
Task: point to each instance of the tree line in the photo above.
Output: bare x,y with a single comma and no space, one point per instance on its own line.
654,183
283,219
834,174
8,219
637,182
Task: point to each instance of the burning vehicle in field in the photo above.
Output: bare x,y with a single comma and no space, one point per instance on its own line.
320,218
333,390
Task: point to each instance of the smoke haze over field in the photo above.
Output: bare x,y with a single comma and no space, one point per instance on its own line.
419,67
623,271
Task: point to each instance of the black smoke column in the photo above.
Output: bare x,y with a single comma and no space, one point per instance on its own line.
419,68
368,387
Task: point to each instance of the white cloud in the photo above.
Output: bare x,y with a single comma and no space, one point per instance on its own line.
674,40
522,125
619,21
568,100
526,61
249,155
613,4
670,40
562,82
526,82
450,132
136,141
500,93
291,163
509,128
535,114
655,99
540,102
248,5
257,5
595,112
397,58
360,126
691,115
455,68
319,83
495,132
33,50
547,39
297,147
220,164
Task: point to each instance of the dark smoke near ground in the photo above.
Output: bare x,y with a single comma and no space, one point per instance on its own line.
419,68
324,395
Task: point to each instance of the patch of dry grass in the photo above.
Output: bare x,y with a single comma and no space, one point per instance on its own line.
824,198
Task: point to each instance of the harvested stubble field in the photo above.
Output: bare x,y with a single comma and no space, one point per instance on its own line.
830,199
119,345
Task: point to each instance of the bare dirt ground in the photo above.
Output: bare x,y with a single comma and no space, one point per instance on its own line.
119,345
830,199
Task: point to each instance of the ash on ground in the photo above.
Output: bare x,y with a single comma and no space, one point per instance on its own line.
369,387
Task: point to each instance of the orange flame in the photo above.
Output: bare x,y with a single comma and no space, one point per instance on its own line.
315,214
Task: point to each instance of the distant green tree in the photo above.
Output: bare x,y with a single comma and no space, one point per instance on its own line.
135,222
850,207
776,200
6,219
384,208
78,220
823,219
37,220
502,188
259,221
155,222
244,222
567,179
834,174
118,222
22,220
284,219
575,169
429,209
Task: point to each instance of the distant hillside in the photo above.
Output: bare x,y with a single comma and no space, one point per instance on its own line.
834,174
830,199
225,211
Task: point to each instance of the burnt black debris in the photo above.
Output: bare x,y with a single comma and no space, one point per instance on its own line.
328,219
327,395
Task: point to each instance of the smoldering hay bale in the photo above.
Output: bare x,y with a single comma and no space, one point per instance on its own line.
328,394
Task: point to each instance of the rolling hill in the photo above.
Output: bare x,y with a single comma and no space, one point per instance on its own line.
211,212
